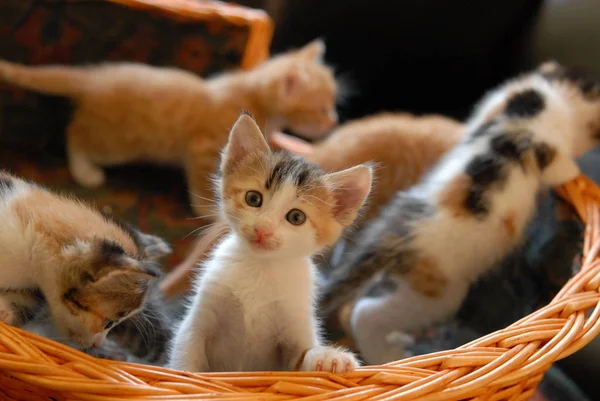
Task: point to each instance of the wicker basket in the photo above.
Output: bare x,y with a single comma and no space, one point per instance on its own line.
505,365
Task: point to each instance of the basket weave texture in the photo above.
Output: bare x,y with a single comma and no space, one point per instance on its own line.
505,365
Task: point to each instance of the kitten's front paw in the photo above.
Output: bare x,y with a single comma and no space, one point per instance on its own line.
329,359
90,179
84,172
7,315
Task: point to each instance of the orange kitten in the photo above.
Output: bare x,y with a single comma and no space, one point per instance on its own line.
127,112
404,147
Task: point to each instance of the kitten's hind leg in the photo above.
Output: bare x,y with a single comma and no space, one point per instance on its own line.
83,170
392,308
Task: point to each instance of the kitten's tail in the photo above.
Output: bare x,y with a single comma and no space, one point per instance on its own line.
50,80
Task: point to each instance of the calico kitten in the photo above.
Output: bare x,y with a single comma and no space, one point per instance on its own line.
141,338
403,146
127,112
254,303
92,271
413,265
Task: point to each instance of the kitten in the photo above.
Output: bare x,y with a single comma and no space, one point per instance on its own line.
141,338
413,265
127,112
254,302
92,271
402,145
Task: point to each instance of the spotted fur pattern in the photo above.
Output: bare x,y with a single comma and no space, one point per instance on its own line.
413,265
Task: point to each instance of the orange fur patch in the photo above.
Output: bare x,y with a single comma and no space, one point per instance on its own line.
62,221
509,223
427,279
454,195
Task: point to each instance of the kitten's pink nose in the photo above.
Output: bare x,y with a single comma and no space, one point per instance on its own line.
262,234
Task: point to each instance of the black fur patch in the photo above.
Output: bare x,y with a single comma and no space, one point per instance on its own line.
110,250
69,297
484,169
544,154
292,169
526,104
476,201
506,147
276,175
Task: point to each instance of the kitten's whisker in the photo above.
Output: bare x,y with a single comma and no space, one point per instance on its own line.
199,230
202,197
206,216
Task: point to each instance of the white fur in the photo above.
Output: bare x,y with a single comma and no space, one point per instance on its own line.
254,312
254,309
19,269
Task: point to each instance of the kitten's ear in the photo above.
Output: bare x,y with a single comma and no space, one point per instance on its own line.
291,82
350,190
314,50
151,246
110,260
245,138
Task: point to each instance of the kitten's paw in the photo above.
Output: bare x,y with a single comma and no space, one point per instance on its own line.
7,315
329,359
90,179
85,173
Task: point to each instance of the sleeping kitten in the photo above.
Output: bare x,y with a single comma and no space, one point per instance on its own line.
127,112
254,302
141,338
92,271
413,265
403,146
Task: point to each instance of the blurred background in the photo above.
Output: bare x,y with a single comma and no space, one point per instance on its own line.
420,56
434,55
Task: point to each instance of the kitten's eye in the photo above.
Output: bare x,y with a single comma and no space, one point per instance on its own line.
296,217
254,199
109,325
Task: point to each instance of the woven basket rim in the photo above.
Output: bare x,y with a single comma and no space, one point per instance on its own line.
506,364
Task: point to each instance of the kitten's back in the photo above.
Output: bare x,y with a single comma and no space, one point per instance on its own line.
402,145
